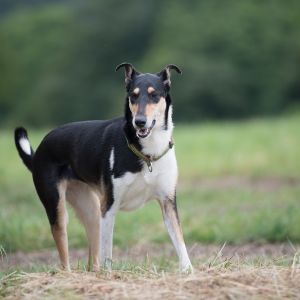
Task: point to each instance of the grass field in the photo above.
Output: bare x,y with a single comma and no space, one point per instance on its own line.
239,183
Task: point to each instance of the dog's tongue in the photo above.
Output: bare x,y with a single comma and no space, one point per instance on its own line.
143,131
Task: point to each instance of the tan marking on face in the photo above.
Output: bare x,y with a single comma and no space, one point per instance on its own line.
136,91
149,110
133,108
150,89
155,109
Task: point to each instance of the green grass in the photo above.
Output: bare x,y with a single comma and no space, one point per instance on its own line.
255,148
251,149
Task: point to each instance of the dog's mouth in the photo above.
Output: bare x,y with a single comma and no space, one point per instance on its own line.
145,132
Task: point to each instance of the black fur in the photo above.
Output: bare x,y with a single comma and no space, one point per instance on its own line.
81,150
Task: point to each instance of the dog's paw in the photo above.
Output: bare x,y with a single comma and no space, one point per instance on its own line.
66,268
95,268
187,269
107,264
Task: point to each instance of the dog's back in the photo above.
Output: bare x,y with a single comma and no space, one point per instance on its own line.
82,147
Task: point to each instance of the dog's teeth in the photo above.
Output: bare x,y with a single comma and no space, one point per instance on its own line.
143,133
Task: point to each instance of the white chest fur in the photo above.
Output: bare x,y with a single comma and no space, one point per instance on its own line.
132,191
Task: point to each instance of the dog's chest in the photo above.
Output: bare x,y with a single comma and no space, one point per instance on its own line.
133,190
136,189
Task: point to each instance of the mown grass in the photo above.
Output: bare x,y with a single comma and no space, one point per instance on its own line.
218,278
257,149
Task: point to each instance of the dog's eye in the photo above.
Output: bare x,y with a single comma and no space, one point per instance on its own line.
154,97
133,98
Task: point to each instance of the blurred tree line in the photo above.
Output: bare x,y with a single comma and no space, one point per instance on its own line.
57,58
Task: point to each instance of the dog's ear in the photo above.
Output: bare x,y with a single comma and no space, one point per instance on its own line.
130,72
165,74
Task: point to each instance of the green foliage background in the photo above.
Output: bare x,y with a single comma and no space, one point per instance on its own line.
57,58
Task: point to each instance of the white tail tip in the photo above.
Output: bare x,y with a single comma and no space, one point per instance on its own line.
24,143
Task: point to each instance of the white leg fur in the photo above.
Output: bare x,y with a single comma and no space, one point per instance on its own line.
106,244
87,206
174,229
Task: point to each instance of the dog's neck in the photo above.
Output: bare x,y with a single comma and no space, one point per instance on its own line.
160,136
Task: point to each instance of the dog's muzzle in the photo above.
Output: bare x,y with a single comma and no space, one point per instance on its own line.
145,132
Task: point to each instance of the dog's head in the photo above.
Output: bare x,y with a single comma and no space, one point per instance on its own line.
148,97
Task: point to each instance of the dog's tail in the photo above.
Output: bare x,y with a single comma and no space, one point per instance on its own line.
23,147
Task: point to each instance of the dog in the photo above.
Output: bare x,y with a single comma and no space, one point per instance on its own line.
101,167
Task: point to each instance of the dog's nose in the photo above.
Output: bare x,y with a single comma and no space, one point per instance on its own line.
140,121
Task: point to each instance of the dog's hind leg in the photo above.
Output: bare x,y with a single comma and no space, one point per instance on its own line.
171,219
59,229
87,206
52,190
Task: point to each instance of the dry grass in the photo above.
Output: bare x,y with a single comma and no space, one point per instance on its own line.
250,271
215,283
218,278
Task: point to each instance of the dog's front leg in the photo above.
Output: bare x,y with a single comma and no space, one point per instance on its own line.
172,222
106,243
